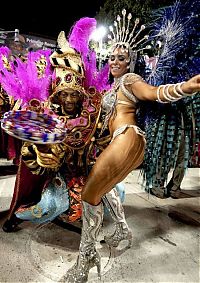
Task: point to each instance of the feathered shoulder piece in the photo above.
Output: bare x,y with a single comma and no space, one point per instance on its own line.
26,80
5,54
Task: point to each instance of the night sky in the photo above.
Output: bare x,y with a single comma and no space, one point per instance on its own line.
47,20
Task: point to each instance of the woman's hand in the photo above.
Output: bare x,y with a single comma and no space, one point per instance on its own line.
191,86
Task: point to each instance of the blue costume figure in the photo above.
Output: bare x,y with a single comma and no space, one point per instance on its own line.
172,129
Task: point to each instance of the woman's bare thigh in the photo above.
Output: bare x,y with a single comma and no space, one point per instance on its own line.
124,154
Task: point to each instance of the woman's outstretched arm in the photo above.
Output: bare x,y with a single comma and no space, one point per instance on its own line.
166,93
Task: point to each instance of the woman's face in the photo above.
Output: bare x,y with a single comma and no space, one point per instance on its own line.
119,62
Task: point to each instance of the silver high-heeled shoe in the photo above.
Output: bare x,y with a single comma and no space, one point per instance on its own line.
88,256
122,231
79,272
120,234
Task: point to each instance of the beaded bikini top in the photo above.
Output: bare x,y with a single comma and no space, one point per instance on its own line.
110,101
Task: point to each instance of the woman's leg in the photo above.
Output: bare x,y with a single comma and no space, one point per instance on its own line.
121,156
122,231
88,256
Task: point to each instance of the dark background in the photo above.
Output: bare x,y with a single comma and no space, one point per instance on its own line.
43,18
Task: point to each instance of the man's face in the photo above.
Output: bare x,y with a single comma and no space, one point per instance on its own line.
70,101
17,48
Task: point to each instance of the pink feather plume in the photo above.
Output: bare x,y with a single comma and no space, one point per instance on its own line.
80,34
79,38
23,81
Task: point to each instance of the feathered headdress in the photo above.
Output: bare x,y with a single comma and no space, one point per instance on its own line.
79,38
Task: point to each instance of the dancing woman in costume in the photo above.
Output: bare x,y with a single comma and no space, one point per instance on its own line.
126,149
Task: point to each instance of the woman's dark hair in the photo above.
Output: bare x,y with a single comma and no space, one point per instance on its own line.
110,79
140,66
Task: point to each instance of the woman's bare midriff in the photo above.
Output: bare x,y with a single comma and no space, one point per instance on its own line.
124,115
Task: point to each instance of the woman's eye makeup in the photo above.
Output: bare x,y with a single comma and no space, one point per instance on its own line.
118,57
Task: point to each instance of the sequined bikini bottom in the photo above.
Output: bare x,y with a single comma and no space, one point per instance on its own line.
121,129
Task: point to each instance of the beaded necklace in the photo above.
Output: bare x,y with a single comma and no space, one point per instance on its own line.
109,102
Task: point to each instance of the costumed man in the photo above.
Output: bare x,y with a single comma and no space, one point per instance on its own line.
172,129
51,177
4,107
17,46
33,79
9,146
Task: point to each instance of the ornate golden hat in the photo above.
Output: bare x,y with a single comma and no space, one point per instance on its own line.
68,66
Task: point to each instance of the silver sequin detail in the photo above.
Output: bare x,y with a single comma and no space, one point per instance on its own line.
121,129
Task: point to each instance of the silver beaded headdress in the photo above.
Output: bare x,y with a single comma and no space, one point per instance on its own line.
128,38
